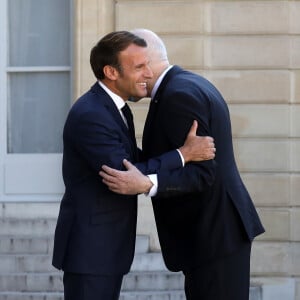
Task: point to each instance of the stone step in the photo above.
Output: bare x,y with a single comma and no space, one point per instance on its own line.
52,282
25,245
123,296
134,281
30,296
255,294
29,210
156,281
152,261
27,227
44,245
31,263
153,295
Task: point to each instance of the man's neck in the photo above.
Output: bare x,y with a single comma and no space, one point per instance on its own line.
115,97
160,79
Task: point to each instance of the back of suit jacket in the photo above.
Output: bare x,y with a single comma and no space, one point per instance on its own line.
202,211
95,232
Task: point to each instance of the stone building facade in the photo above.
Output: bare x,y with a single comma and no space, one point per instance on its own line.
251,51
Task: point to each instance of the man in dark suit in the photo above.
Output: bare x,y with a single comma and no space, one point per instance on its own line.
205,218
96,229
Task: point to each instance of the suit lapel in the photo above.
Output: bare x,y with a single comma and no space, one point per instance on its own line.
109,104
169,75
112,108
154,105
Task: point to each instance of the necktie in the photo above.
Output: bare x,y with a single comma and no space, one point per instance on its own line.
129,117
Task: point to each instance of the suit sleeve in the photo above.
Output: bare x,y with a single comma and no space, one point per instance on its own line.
99,140
167,161
178,113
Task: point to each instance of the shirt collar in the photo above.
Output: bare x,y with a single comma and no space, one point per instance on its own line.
158,81
119,102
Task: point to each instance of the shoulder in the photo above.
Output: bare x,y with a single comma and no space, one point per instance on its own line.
185,83
90,108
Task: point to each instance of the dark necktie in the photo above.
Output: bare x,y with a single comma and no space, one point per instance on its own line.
129,118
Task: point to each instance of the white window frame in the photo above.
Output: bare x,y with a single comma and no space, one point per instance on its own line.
25,177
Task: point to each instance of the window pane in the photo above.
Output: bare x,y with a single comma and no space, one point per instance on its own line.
39,32
38,105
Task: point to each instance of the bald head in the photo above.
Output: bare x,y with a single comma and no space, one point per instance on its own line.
156,46
157,53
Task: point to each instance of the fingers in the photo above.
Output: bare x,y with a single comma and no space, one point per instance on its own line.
106,178
209,140
128,165
210,149
211,156
193,129
112,186
114,172
212,153
109,170
210,143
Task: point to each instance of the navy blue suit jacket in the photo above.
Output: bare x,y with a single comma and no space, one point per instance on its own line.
96,229
202,211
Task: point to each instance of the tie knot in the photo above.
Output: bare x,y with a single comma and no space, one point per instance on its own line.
127,111
127,114
125,108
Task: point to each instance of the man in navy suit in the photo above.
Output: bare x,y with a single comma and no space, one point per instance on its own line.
205,218
96,229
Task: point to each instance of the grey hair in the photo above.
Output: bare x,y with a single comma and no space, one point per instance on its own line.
154,43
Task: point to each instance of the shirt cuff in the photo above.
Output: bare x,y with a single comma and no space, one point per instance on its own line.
153,190
182,158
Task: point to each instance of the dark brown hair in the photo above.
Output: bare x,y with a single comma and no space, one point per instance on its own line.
106,51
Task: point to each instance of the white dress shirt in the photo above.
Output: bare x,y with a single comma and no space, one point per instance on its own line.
119,102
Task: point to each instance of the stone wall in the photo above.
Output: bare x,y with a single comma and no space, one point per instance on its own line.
251,51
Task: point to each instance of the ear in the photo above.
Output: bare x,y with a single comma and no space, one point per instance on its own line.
110,72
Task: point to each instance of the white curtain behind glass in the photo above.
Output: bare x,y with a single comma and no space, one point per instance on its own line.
39,32
39,36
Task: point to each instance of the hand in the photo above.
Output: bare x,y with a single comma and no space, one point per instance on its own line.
130,182
197,148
